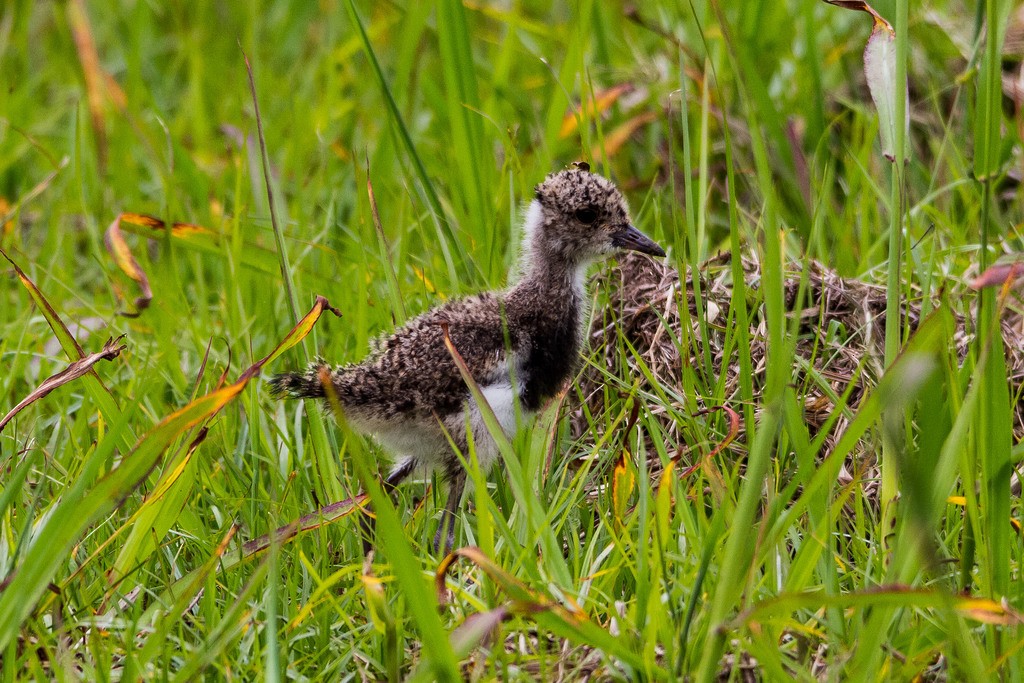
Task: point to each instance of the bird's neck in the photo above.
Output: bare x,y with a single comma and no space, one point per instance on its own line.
548,267
560,279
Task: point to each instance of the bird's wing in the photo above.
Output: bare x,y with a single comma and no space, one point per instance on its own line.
413,373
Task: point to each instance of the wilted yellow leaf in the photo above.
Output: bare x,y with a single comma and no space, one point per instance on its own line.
599,103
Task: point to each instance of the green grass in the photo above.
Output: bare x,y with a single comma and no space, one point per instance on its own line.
126,526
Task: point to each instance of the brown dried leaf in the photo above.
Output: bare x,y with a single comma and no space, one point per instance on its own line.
177,229
119,249
110,350
325,515
999,275
479,628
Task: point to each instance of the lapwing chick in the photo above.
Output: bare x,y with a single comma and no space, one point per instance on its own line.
521,345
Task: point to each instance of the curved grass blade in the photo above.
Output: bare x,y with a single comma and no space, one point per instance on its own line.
282,254
73,515
734,430
60,330
154,518
623,483
383,619
396,291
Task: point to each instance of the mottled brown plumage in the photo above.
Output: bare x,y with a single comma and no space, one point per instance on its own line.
522,345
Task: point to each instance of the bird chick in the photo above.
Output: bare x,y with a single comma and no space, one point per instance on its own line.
521,345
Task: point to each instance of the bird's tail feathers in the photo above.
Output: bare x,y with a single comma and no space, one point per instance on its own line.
305,384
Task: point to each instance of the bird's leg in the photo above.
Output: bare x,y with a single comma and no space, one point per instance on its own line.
367,521
446,530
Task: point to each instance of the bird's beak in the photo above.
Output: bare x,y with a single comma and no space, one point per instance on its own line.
628,237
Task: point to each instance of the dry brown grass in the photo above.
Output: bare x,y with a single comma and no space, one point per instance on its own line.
840,339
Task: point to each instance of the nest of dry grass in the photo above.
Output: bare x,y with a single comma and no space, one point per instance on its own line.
840,338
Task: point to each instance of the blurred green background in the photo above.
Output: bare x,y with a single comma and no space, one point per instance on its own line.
729,125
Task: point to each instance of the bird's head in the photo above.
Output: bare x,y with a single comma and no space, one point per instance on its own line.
577,217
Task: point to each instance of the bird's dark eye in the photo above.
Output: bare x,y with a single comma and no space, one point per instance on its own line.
586,215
